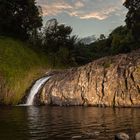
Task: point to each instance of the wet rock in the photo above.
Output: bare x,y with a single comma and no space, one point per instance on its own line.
138,136
121,136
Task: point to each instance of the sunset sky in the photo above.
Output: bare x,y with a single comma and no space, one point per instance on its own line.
86,17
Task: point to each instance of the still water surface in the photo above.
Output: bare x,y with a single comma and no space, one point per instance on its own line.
63,123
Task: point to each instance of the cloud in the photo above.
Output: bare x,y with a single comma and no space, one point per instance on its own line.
54,8
83,9
100,15
79,4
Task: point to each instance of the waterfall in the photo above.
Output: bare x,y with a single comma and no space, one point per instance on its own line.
34,90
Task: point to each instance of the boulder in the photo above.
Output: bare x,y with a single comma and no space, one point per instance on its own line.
109,81
121,136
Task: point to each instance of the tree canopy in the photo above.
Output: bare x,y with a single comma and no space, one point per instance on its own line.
19,18
133,17
56,35
58,41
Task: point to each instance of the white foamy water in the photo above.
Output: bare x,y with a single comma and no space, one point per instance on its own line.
34,90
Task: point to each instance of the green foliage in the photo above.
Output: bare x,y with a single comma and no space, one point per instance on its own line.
58,42
19,66
53,47
102,37
107,64
19,18
80,54
56,35
133,17
121,39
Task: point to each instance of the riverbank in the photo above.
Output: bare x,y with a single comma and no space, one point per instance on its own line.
20,66
109,81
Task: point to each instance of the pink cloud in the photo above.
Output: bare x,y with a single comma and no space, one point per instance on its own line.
55,8
79,4
83,9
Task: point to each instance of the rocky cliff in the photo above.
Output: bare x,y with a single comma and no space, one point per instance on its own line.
110,81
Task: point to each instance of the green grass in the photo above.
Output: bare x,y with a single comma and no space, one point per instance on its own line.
19,67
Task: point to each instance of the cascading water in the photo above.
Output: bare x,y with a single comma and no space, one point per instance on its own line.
34,90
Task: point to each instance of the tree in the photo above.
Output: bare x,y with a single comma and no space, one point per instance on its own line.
58,41
102,37
19,18
133,17
121,38
56,35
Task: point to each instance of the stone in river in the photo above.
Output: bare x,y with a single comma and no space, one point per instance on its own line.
121,136
137,136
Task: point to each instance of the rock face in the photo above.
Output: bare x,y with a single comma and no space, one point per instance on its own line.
110,81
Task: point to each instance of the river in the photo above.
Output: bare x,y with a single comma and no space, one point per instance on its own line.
65,123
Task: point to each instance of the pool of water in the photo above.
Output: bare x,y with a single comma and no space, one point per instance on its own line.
66,123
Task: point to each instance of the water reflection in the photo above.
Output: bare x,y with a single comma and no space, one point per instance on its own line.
36,123
64,123
13,124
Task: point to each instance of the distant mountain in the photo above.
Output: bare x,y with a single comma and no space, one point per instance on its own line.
88,40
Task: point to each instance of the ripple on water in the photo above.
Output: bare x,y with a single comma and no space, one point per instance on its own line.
38,123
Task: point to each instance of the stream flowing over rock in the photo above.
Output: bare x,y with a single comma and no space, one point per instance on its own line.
109,81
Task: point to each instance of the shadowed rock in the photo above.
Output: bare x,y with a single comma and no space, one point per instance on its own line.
121,136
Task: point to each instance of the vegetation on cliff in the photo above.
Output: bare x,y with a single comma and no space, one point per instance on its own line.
19,67
51,46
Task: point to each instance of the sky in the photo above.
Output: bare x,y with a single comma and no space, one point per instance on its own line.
86,17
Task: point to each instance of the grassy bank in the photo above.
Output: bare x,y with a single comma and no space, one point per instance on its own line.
19,67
